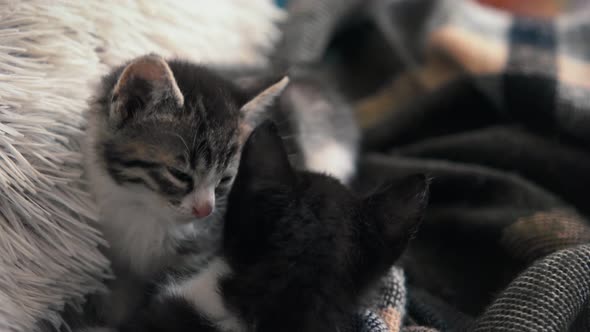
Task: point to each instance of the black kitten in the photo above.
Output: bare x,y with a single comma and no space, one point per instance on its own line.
299,250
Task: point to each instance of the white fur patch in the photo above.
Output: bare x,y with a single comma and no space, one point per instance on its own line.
142,232
333,159
137,226
202,291
141,228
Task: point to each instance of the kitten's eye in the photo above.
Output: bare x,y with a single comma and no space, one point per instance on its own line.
180,175
175,202
225,180
181,159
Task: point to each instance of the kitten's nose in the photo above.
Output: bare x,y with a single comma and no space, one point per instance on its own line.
203,201
202,210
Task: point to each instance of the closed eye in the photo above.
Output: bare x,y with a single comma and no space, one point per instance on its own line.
225,180
180,175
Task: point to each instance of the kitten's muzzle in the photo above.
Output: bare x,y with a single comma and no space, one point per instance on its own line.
200,202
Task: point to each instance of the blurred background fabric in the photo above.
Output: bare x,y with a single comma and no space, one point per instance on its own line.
492,99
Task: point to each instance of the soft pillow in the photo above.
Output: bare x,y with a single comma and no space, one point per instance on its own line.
49,51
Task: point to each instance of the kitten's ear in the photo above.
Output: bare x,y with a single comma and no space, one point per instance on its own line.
398,208
146,80
253,111
264,156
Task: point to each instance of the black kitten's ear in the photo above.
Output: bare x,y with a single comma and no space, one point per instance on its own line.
253,110
264,156
147,79
398,208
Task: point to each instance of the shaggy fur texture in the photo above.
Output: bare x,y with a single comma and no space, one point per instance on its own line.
48,53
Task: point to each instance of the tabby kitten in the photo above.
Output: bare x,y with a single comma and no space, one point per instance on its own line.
163,145
299,251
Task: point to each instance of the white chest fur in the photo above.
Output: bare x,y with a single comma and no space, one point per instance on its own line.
140,230
202,291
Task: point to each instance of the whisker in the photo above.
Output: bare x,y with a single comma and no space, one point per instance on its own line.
183,141
195,139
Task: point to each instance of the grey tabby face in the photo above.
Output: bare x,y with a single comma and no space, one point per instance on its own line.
176,129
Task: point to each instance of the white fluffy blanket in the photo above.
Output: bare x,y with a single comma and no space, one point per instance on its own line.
49,51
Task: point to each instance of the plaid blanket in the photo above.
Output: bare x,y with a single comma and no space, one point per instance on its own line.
497,109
